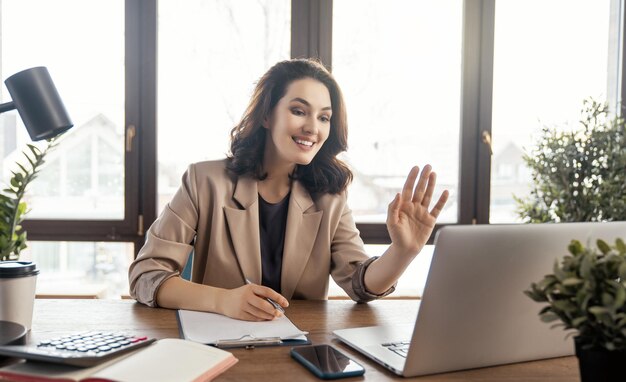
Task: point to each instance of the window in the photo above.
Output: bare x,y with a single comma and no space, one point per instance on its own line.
84,52
541,76
417,76
82,191
412,282
205,80
74,268
399,65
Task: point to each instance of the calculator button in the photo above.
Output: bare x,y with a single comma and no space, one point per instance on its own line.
80,349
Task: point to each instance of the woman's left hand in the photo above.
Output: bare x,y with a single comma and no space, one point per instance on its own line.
408,220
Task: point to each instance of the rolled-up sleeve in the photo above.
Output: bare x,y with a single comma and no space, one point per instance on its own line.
168,243
350,261
358,283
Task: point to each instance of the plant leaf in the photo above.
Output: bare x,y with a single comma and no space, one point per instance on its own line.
603,246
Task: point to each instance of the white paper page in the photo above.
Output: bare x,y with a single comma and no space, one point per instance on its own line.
208,328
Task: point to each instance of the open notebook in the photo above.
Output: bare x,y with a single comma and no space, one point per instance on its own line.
170,359
221,331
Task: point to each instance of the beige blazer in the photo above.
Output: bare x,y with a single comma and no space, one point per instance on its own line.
217,216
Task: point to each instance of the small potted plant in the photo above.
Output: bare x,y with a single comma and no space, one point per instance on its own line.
12,206
587,293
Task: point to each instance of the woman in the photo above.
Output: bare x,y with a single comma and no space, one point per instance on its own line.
271,221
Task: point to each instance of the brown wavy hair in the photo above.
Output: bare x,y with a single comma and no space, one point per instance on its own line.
326,173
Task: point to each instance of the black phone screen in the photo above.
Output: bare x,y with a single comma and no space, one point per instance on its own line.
328,360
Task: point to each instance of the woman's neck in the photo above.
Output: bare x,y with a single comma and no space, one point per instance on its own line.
277,184
273,189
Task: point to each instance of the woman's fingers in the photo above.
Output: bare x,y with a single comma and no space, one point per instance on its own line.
421,193
263,291
418,193
428,194
440,204
250,317
393,210
424,188
260,307
407,190
257,308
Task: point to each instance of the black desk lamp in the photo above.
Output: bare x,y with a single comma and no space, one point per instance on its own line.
37,101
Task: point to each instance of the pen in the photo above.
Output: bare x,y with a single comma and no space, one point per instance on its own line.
274,304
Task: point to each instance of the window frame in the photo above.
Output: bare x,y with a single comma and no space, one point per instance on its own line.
140,151
311,36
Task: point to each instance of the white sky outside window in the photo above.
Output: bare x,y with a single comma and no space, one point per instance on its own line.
82,45
399,65
548,57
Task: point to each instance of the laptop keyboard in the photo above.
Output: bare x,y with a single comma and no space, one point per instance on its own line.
401,348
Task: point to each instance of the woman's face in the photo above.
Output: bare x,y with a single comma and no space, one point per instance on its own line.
299,124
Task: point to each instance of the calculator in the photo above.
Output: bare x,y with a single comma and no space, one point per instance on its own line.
79,349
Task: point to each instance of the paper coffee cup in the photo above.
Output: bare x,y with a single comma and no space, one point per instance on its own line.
17,291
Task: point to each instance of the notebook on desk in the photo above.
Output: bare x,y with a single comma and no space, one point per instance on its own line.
225,332
473,312
165,360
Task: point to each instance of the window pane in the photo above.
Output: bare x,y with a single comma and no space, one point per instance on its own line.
206,78
548,57
74,268
412,281
83,48
399,65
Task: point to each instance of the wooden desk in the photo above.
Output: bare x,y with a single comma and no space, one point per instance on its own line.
60,291
319,318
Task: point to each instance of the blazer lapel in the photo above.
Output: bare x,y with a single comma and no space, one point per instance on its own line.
243,226
300,235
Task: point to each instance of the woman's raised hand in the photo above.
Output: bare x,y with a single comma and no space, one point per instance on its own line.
408,220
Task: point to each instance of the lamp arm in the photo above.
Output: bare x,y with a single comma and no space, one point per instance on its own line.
7,106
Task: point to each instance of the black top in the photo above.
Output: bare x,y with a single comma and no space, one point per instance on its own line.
272,226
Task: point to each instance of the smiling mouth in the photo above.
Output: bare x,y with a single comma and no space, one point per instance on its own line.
303,142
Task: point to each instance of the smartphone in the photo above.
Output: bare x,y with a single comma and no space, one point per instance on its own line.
326,362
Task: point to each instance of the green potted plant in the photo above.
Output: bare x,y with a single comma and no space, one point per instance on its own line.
578,174
587,293
12,206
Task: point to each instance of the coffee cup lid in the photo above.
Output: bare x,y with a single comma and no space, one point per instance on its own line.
11,269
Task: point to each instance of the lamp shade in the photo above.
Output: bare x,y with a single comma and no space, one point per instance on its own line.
37,101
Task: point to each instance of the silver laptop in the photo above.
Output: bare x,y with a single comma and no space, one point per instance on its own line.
473,312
